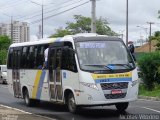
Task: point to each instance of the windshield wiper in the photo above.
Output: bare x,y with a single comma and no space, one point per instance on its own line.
124,65
104,66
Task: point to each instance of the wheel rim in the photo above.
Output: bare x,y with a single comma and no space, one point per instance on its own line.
72,104
26,98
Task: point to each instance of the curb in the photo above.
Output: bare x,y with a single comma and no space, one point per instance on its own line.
149,98
24,112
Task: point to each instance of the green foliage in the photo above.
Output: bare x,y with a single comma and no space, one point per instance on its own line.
3,57
103,28
157,38
60,33
4,44
83,25
149,65
154,93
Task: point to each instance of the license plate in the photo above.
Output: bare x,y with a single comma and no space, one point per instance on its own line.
116,91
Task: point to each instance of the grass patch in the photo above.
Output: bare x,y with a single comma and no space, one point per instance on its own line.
154,93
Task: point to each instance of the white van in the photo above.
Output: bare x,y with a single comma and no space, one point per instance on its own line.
3,74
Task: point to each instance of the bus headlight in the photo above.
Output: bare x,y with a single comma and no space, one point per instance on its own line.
91,85
134,82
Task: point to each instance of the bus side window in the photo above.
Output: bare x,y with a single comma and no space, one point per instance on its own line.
24,57
68,60
40,57
10,55
31,56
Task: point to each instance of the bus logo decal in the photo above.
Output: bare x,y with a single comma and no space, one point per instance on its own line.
38,84
39,91
64,75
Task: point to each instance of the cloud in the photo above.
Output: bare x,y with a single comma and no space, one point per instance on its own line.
140,11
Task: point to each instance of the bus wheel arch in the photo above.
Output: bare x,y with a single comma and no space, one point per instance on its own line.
70,101
23,91
26,97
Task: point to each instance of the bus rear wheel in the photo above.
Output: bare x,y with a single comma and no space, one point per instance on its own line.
27,100
71,103
122,106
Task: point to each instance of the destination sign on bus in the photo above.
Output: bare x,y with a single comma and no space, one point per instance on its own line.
92,45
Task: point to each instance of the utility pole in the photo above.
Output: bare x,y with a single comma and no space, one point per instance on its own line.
126,22
93,20
42,5
145,29
12,28
42,19
150,33
10,25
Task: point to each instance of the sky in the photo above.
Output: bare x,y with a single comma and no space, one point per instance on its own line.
114,11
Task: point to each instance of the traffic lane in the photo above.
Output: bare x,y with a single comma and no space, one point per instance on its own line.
89,113
149,104
102,113
60,112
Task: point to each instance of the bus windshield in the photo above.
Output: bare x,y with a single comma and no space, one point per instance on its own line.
104,55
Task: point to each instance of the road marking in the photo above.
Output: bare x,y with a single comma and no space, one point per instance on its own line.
3,86
151,109
148,100
26,112
15,109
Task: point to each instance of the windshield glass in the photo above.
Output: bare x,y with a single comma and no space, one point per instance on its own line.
103,55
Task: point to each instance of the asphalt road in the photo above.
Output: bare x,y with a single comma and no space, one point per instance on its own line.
140,109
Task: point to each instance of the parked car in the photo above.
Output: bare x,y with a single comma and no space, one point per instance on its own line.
3,74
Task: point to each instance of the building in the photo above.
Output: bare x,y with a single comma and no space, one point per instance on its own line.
20,31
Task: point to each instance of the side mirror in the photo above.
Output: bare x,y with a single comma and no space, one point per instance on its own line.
67,49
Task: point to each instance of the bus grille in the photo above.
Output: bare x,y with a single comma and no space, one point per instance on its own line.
110,86
115,96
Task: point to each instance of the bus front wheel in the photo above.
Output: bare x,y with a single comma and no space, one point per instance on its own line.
122,106
71,103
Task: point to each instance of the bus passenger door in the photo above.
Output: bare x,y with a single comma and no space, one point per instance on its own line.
55,74
16,73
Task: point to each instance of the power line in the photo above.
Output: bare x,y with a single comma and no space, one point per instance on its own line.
55,9
44,9
12,2
36,21
12,5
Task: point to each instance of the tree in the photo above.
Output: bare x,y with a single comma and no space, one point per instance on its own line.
103,28
83,25
3,56
4,44
157,38
61,32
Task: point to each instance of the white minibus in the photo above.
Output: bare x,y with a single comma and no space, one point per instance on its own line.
82,70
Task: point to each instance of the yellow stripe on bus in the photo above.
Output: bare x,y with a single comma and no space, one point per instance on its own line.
117,75
36,82
52,40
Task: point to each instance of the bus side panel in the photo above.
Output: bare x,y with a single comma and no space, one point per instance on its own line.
70,80
44,93
10,82
36,82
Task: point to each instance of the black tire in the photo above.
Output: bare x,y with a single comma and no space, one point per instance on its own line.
122,106
71,104
27,100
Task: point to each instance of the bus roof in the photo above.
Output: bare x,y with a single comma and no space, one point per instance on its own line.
71,38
